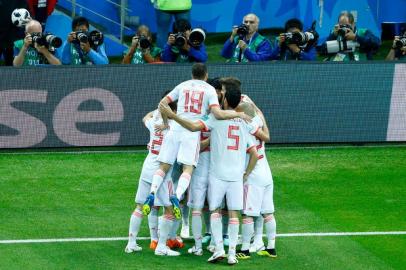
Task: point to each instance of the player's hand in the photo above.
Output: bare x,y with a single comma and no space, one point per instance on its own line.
245,117
85,46
165,109
161,127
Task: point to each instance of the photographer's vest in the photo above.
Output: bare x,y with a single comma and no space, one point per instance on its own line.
138,57
172,5
351,56
32,56
252,45
77,57
180,57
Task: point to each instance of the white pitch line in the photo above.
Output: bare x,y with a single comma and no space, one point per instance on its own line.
57,240
269,148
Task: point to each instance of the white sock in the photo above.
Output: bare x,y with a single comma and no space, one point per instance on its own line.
135,224
174,230
270,225
185,215
164,228
217,230
206,216
259,229
247,232
183,184
157,180
153,223
225,221
233,227
197,227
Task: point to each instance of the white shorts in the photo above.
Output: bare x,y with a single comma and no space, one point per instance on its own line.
199,182
162,195
258,200
183,146
149,167
232,191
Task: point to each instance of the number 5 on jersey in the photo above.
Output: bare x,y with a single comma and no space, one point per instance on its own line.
234,137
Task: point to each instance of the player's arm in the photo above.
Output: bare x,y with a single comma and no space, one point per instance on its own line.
263,133
204,144
147,117
165,101
220,114
190,125
252,151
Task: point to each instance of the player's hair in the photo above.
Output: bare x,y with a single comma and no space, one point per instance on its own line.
233,96
231,81
293,23
199,71
79,21
215,82
247,108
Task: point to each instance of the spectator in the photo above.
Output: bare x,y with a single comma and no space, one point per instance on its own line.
77,51
9,32
184,51
31,53
398,49
361,43
246,44
142,50
41,9
288,48
165,10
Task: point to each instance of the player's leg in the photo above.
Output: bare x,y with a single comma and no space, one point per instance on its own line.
184,232
216,192
136,217
258,243
268,210
206,217
153,227
225,221
247,230
157,180
234,200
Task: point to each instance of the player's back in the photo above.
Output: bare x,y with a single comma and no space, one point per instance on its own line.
155,137
229,142
195,97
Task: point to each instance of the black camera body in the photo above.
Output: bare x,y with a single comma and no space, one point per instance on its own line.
46,39
95,38
144,42
401,42
242,31
343,29
180,39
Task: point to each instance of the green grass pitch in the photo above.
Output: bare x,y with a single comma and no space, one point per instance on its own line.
63,195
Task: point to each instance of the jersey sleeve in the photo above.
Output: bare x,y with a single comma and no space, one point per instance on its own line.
173,95
208,121
250,142
213,99
149,124
253,127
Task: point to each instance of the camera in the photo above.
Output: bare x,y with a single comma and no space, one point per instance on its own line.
46,39
144,42
180,39
335,46
242,31
343,29
95,38
197,37
401,42
298,38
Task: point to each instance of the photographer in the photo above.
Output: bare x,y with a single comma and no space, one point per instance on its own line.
294,44
28,52
142,51
246,44
350,43
82,47
179,48
398,49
